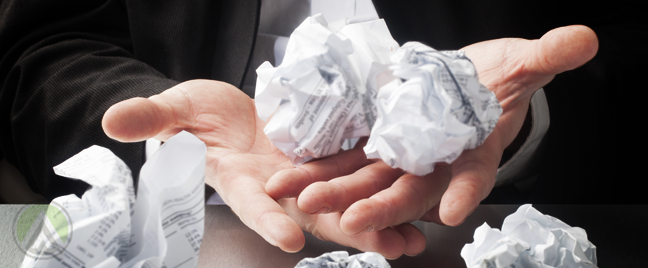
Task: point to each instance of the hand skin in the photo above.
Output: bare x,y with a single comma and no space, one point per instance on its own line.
240,159
376,197
378,202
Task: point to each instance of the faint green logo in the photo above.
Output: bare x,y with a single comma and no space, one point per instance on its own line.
42,231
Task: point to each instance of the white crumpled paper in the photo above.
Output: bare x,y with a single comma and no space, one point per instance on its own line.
530,239
420,106
440,110
110,228
341,259
323,91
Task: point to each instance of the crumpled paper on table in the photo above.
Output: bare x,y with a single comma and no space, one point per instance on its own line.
111,228
341,259
530,239
420,106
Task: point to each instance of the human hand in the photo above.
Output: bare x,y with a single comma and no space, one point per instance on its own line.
239,161
376,197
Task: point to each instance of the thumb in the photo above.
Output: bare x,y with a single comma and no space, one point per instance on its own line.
138,119
563,49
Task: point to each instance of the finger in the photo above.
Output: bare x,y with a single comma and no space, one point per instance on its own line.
515,68
339,193
388,242
563,49
414,239
138,119
218,105
406,200
257,210
291,182
473,177
432,215
135,119
275,226
247,198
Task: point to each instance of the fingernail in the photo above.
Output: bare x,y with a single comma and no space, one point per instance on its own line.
288,251
323,210
368,229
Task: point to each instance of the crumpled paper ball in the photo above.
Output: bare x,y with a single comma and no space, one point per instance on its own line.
418,105
435,111
323,91
341,259
530,239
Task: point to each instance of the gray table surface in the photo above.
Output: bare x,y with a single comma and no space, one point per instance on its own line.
618,231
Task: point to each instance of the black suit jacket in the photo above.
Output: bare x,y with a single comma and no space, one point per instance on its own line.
65,62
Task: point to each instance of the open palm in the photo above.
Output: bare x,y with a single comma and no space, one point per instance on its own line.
346,198
372,196
240,159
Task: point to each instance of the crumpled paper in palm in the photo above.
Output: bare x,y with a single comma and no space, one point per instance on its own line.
418,105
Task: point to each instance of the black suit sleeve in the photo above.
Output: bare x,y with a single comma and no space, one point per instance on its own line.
63,64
